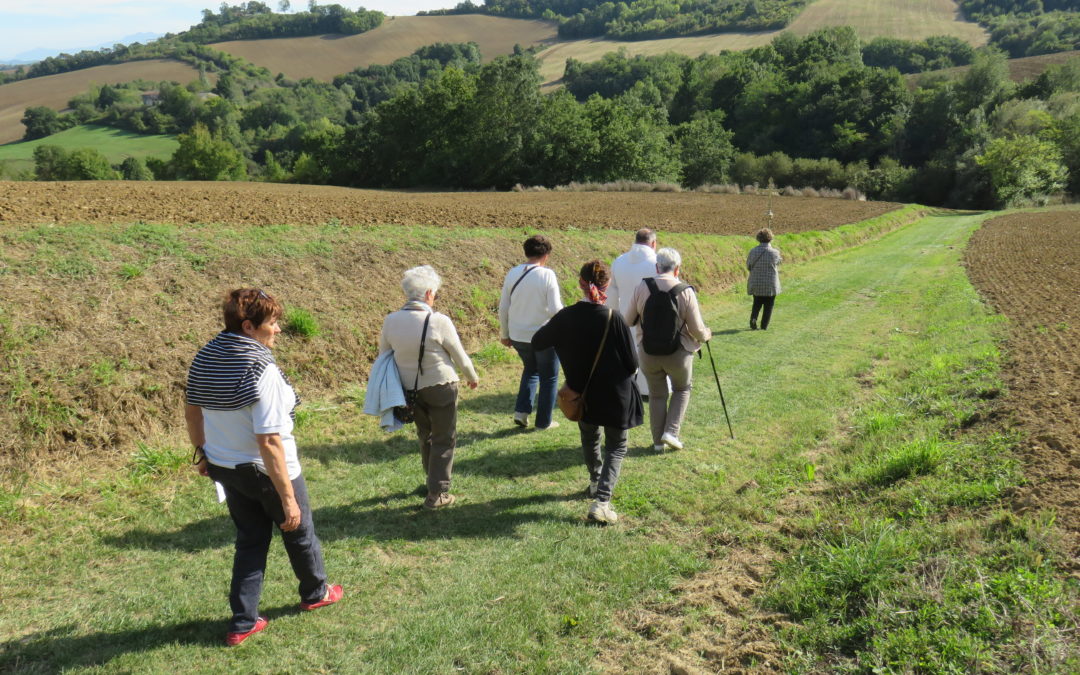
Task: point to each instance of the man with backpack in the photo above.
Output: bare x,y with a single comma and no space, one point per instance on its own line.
671,331
530,296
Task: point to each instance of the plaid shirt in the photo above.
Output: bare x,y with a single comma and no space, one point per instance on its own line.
762,262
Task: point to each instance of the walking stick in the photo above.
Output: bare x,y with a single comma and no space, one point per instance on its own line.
719,389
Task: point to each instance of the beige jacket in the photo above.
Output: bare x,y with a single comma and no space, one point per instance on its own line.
693,333
442,350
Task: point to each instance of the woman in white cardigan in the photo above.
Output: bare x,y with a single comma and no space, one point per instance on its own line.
414,327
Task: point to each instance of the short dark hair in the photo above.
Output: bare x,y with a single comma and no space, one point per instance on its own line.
644,236
764,235
249,304
536,246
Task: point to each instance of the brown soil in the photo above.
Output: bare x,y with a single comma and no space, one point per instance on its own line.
270,204
1026,265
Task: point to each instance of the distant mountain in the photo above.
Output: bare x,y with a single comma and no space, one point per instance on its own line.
35,55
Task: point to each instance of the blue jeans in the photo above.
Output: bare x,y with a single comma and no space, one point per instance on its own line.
255,508
541,367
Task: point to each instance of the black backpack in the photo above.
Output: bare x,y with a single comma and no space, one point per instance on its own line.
660,320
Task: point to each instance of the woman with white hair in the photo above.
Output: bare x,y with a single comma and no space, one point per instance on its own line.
422,337
672,331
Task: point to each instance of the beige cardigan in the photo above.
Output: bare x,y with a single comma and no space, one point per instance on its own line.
693,333
442,350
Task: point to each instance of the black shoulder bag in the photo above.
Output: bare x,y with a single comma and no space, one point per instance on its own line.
406,414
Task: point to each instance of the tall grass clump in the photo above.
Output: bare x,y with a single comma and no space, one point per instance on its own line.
301,323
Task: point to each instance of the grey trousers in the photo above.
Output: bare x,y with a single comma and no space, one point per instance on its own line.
436,427
603,466
679,368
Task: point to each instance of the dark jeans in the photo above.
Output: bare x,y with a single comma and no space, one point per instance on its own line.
765,303
540,366
255,508
603,468
436,427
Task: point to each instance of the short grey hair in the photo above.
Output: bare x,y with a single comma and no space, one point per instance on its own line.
667,259
419,280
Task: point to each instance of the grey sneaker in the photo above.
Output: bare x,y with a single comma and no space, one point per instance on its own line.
553,425
439,501
521,419
601,512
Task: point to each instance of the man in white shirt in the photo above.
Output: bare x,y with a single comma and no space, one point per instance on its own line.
627,272
530,296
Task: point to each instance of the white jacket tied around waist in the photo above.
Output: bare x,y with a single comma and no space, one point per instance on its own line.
384,392
626,274
442,350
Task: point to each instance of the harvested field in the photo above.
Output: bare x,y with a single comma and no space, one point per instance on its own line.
271,204
324,56
1026,265
54,91
1020,70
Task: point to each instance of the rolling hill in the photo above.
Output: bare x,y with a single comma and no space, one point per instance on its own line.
55,91
324,56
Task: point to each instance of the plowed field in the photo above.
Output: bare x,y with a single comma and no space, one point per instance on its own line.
268,204
1026,265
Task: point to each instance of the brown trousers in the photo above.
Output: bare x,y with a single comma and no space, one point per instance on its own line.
436,427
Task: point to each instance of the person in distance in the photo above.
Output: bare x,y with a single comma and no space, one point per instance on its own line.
627,271
599,361
239,412
764,280
422,337
671,332
530,296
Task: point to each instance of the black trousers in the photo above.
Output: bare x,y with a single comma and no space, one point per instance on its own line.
764,303
255,508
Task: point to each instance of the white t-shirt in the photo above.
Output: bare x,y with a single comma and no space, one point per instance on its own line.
230,434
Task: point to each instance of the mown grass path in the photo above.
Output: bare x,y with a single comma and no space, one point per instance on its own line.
131,574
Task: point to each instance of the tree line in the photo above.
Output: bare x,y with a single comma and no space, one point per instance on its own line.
804,112
642,19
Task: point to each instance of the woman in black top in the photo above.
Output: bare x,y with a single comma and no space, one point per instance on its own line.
612,400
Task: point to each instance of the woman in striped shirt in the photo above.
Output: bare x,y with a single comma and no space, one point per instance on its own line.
239,415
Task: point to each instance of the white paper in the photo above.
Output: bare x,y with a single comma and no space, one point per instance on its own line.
220,492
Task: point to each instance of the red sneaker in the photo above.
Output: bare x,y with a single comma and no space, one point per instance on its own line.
233,639
333,594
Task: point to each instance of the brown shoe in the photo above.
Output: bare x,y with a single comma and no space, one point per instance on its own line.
439,501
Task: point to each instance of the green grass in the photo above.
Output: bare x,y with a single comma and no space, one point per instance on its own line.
852,400
115,144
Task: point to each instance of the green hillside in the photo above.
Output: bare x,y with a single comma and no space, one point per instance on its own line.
115,144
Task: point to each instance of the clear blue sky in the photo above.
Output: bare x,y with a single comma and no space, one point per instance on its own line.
69,25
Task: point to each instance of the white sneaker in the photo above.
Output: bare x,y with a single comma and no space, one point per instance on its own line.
659,447
671,442
601,512
521,419
553,425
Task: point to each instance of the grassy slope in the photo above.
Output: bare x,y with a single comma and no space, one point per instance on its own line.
510,579
115,144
